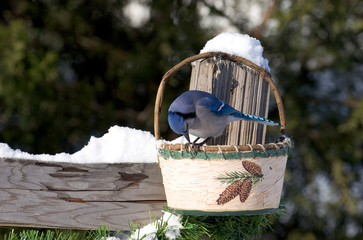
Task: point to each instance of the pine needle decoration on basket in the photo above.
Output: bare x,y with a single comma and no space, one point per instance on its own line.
232,177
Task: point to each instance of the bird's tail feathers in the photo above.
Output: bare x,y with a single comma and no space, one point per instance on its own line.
258,119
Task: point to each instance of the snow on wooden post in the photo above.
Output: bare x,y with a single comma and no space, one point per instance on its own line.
109,182
240,87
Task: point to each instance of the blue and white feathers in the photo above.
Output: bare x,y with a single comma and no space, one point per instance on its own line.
204,115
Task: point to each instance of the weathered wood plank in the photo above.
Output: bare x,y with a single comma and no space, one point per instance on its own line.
46,209
29,174
125,195
83,196
242,88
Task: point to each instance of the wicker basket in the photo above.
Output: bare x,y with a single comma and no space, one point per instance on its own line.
223,180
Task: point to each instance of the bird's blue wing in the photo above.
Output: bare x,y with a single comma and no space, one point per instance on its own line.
221,108
216,106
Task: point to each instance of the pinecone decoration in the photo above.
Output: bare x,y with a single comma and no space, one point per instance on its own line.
240,182
245,189
252,168
230,192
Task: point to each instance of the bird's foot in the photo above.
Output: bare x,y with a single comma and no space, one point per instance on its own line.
192,146
195,147
186,146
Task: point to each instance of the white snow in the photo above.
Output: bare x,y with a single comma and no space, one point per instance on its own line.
146,233
237,44
111,238
120,144
174,225
172,230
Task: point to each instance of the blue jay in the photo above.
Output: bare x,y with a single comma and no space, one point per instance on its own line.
205,116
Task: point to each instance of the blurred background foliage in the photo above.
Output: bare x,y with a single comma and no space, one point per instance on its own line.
70,69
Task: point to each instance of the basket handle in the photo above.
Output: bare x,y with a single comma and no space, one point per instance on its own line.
261,71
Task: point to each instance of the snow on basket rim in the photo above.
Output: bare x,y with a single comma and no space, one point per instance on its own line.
241,45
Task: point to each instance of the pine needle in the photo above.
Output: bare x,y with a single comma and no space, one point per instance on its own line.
231,177
227,227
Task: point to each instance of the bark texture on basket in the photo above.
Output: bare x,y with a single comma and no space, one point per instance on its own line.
241,87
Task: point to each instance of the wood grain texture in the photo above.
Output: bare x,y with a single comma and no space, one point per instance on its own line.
79,196
242,88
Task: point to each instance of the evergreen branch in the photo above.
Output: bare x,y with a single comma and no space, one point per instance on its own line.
231,177
227,227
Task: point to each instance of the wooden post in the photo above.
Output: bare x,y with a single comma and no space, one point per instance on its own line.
78,196
241,87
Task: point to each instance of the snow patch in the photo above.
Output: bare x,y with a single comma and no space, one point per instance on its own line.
120,144
172,230
237,44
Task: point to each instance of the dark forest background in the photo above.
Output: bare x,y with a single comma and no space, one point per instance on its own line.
71,69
